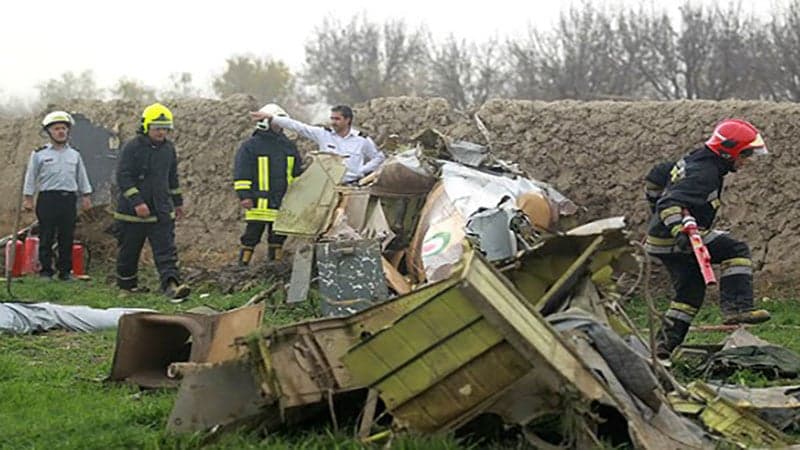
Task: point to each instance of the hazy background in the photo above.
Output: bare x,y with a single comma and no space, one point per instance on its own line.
309,52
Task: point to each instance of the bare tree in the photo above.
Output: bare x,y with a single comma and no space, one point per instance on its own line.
580,59
715,53
128,89
648,46
180,86
363,60
69,86
464,73
782,50
266,79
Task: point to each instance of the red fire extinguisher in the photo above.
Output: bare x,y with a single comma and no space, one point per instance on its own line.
78,262
14,267
30,263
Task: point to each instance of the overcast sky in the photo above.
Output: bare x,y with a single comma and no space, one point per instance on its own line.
147,41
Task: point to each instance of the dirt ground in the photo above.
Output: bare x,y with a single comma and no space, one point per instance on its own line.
596,153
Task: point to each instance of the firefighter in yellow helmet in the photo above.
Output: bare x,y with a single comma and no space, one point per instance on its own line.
265,166
149,202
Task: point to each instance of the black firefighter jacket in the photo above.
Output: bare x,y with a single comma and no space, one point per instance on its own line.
695,183
266,164
148,173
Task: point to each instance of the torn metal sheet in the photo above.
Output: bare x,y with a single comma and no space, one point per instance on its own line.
733,422
351,276
302,266
402,215
468,153
743,351
648,429
147,343
377,226
551,271
779,406
309,203
490,230
354,201
218,394
405,174
435,248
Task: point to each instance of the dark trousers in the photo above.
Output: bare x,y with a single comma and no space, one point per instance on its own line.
254,230
735,280
130,239
56,213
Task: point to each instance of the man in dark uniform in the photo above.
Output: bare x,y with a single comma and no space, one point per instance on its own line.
691,195
265,166
149,203
57,173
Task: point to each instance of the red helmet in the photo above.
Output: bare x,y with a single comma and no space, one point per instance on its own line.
733,138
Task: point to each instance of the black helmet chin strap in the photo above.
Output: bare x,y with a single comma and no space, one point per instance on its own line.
50,135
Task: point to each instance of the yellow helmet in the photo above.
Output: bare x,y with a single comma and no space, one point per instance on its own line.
157,116
57,117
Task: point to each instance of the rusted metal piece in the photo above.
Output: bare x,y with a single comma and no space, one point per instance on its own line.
219,394
147,343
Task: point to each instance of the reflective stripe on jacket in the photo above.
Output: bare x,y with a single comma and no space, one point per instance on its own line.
695,184
147,172
265,165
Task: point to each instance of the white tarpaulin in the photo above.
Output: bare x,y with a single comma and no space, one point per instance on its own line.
25,318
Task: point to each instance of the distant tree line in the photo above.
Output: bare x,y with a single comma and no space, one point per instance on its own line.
706,52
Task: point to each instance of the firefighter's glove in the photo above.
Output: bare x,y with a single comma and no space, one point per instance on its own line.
688,225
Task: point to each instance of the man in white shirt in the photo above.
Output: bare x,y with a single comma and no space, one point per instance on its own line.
363,157
57,174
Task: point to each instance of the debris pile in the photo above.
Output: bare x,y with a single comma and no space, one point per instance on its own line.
452,287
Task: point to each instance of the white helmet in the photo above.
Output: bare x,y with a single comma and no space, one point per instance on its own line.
273,110
57,117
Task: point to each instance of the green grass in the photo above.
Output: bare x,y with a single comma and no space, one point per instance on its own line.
783,329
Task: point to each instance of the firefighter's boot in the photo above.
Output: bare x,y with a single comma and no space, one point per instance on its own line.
245,255
175,291
275,252
751,316
674,328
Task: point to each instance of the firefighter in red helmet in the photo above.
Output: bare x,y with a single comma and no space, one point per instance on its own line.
689,192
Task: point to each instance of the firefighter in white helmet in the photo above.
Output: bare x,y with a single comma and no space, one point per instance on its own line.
57,176
266,164
363,157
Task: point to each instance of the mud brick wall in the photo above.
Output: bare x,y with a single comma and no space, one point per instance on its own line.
596,153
